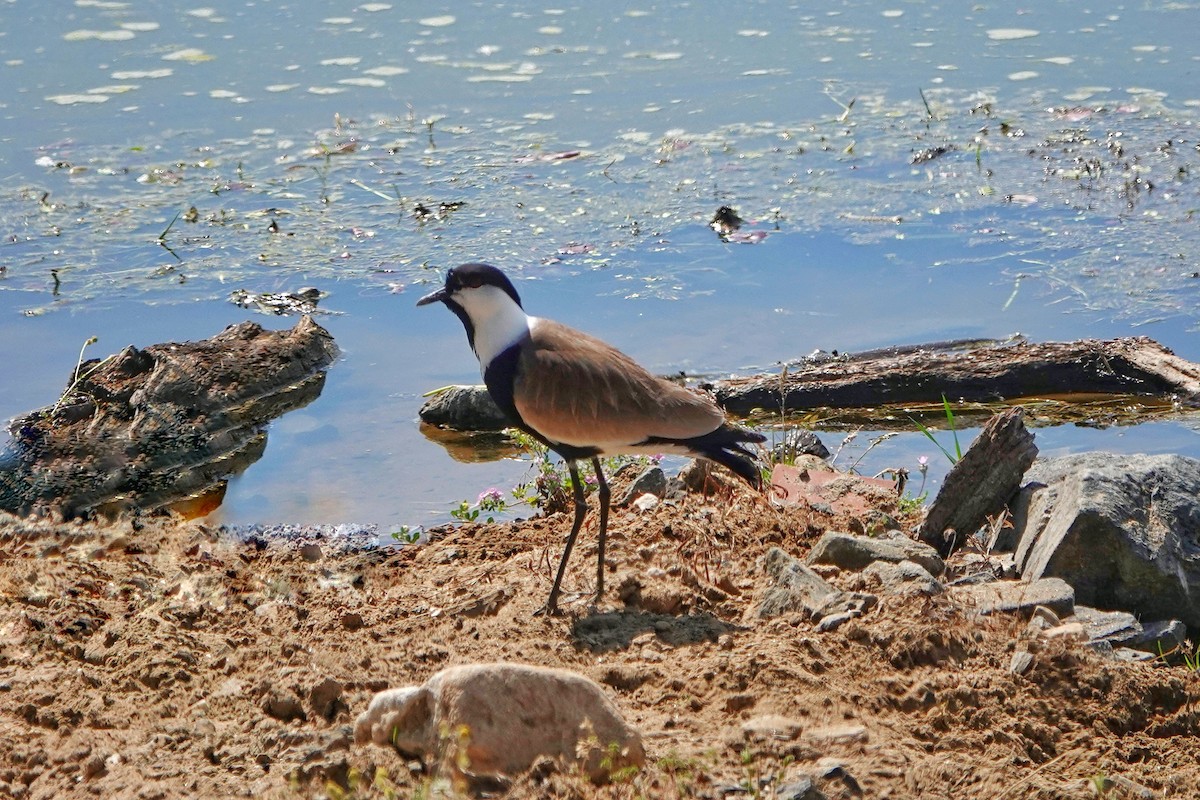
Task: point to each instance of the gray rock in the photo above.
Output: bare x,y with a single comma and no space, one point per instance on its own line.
513,715
1123,530
829,768
1122,629
905,577
652,481
857,552
857,603
798,442
1036,624
145,428
771,727
981,483
831,622
796,587
1021,661
1161,636
793,587
827,735
1128,654
841,607
1019,597
464,408
800,788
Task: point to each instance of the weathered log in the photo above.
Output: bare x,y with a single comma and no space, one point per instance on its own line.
1090,368
144,428
1127,366
981,483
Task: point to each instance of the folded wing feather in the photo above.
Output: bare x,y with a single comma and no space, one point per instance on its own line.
575,389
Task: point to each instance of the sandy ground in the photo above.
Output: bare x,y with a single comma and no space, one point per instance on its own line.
166,660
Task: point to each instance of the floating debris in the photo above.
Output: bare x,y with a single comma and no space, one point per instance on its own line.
439,212
930,153
280,304
725,221
575,249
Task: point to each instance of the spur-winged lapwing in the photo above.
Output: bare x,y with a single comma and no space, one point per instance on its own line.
581,397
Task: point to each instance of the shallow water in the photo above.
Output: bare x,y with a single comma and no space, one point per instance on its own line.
590,146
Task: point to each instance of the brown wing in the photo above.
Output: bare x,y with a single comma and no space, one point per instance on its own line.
575,389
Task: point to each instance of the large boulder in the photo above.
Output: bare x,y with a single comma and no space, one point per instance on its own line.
1123,530
492,722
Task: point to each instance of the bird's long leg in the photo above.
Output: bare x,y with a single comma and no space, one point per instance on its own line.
551,606
604,495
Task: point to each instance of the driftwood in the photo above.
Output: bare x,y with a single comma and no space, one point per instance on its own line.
1084,373
1128,366
981,483
145,428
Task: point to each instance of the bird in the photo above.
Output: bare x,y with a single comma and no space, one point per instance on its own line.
583,398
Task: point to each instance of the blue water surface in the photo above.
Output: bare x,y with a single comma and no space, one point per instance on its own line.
591,144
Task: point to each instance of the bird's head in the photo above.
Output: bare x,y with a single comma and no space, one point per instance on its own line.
484,299
479,290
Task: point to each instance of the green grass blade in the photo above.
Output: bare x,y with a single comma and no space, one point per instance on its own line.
953,428
929,435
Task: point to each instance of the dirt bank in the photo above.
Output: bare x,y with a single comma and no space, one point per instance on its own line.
168,660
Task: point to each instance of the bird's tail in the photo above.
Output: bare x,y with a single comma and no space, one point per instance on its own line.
727,446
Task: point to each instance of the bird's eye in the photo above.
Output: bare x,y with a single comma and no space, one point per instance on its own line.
472,282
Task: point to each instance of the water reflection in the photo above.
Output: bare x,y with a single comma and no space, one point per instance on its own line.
470,447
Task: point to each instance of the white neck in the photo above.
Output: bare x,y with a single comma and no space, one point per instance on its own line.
499,322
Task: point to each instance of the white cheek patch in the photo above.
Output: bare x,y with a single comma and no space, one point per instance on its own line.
499,322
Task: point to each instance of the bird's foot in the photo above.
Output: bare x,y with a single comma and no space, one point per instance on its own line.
593,606
548,610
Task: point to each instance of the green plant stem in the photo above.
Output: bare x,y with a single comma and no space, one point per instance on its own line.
78,376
